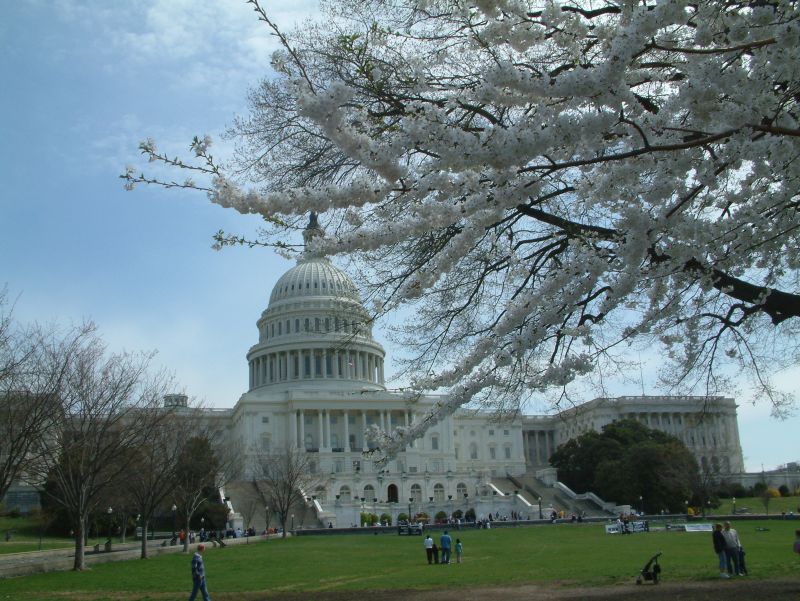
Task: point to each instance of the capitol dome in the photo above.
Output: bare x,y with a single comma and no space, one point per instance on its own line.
315,330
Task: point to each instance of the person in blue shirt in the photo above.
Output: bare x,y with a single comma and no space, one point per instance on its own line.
459,549
446,543
199,575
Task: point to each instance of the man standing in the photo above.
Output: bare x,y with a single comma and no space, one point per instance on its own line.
199,575
446,544
732,549
719,549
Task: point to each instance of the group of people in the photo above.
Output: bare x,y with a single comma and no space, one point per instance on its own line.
729,551
445,546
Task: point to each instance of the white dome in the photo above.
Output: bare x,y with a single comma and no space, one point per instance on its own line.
316,333
314,276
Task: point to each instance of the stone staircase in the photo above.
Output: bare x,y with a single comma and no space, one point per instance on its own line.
553,498
247,499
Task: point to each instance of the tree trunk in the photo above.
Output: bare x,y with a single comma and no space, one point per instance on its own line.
144,540
80,546
186,533
283,528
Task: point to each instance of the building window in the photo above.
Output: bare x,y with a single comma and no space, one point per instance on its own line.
505,432
356,465
473,451
491,432
434,443
265,419
344,493
265,442
508,452
369,492
492,453
438,493
416,493
461,490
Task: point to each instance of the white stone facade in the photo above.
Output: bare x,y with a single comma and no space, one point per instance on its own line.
316,382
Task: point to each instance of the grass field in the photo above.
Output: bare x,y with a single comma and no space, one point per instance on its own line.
576,554
755,505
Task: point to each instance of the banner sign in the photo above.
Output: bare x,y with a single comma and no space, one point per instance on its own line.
618,528
699,528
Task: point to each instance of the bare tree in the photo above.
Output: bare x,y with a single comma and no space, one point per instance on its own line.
108,405
283,477
34,360
150,479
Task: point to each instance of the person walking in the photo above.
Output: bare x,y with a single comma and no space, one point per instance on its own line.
446,544
199,575
429,548
459,549
719,549
733,549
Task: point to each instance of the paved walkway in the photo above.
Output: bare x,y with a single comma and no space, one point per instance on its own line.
54,560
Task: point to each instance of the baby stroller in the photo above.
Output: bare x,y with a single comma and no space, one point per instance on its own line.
650,571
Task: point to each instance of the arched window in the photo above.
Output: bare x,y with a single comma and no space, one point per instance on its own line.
438,493
416,493
369,492
434,442
461,490
344,493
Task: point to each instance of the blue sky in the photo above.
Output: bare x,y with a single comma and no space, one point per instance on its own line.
83,83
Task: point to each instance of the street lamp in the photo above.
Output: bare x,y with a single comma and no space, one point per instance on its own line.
109,511
540,509
410,500
174,522
292,523
734,505
641,505
686,503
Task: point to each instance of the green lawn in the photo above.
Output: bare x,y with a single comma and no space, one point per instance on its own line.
25,536
577,554
755,505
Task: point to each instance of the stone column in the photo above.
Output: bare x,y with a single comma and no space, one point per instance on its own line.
346,444
302,416
363,430
328,444
291,416
320,429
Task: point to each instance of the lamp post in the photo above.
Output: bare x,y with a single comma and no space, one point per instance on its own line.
734,505
174,522
686,503
641,505
292,524
109,511
540,509
202,529
266,521
410,500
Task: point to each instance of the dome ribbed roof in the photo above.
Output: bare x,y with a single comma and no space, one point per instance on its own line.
314,276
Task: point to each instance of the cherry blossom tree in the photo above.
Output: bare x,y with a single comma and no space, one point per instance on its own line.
547,185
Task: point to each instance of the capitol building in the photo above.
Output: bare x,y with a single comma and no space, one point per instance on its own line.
316,383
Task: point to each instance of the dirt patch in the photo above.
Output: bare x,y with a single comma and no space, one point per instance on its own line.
723,590
785,589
